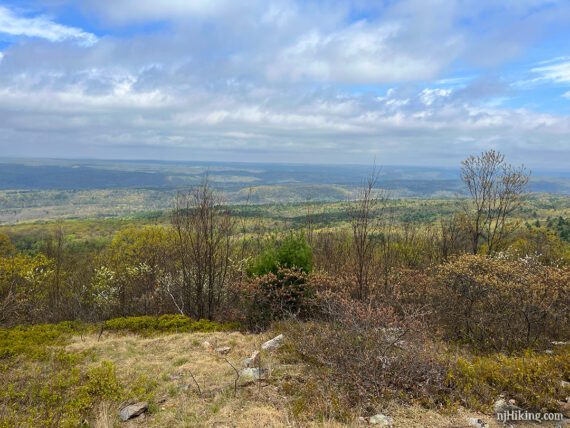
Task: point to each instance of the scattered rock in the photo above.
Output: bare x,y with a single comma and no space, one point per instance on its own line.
207,345
252,361
502,405
253,373
560,343
477,423
380,419
274,343
223,350
549,352
564,384
133,410
175,377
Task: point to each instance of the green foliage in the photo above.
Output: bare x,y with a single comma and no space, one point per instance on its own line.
165,324
101,382
34,341
532,380
276,296
6,246
292,253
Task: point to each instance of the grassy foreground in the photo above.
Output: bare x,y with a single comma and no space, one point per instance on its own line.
77,375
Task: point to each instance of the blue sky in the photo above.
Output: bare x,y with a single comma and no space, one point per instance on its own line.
416,82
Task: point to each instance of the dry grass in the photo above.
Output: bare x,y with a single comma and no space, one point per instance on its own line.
168,363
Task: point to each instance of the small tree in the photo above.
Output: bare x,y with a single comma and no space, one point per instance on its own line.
292,253
203,231
497,190
364,227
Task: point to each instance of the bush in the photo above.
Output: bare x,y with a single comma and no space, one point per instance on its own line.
34,341
165,324
274,297
292,253
502,304
371,353
532,380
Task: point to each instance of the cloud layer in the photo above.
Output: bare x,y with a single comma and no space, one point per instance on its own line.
278,80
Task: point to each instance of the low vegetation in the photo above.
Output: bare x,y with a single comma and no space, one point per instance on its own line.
380,314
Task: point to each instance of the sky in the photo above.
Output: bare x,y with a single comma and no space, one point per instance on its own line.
404,82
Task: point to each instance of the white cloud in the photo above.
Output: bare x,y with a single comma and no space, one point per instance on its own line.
274,79
41,27
364,52
558,72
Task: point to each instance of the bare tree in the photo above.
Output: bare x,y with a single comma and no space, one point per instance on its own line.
497,189
204,228
55,251
364,227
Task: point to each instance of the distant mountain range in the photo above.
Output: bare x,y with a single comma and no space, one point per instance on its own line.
330,181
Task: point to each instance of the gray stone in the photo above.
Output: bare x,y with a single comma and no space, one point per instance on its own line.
502,405
380,419
564,384
477,423
133,410
223,350
253,373
274,343
252,361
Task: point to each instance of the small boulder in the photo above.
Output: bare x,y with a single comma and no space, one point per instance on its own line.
564,384
502,405
477,423
207,345
381,420
223,350
253,373
133,410
565,408
252,361
274,343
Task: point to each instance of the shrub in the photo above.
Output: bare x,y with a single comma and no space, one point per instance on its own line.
34,341
371,353
276,296
532,380
165,324
497,303
292,253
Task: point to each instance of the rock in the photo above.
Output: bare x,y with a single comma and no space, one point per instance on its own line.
477,423
549,352
252,361
207,345
560,343
274,343
253,373
133,410
565,408
564,384
502,405
361,420
175,377
380,419
223,350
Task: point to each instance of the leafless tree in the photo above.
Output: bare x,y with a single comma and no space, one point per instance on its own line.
497,189
55,251
364,227
204,229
